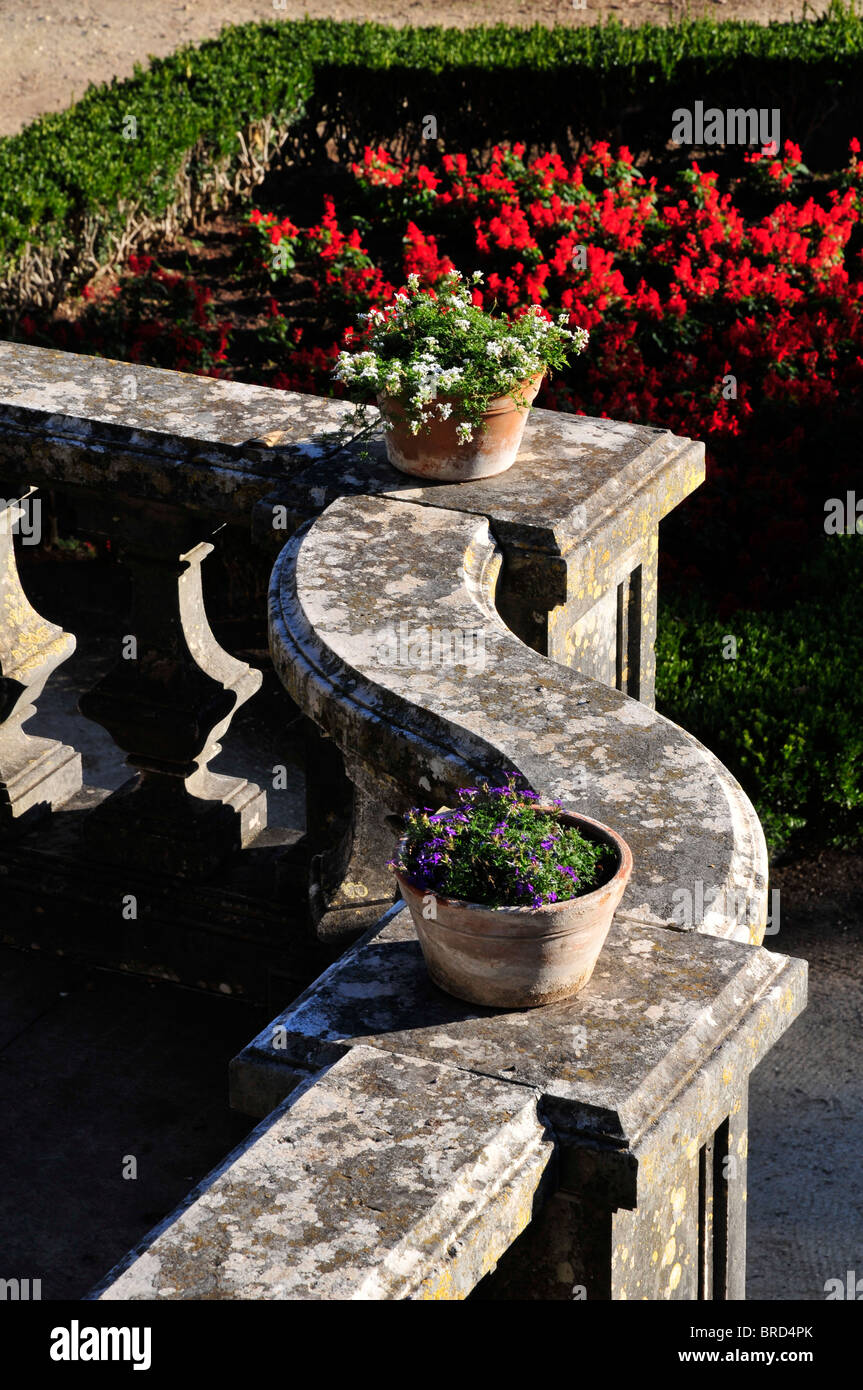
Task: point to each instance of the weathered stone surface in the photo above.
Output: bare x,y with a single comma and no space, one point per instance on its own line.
643,1078
387,1178
370,568
576,519
408,1165
608,1060
157,434
415,1142
576,516
574,477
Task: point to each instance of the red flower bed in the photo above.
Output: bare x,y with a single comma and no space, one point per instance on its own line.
157,317
732,316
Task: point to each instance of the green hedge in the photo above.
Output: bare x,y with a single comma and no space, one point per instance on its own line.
67,182
786,713
80,161
78,166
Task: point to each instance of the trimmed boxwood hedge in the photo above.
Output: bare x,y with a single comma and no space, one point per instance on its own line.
75,191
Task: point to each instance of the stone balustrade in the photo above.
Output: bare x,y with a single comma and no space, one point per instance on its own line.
592,1149
168,467
355,590
429,635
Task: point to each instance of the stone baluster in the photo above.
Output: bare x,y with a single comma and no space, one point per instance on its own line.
36,774
167,702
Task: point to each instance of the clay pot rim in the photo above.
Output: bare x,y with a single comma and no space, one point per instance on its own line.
498,405
622,872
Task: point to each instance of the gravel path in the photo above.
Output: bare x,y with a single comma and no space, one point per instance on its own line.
806,1100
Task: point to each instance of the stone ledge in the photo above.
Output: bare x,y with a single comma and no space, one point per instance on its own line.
608,1063
384,1177
369,566
200,441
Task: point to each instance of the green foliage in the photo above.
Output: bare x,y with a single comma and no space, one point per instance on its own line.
81,167
785,714
499,849
125,143
274,241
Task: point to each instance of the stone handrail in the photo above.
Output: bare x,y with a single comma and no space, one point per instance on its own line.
595,1148
353,591
434,1209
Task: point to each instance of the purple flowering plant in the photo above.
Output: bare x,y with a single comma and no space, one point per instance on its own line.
499,848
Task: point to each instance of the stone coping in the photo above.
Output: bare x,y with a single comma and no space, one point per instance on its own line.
198,441
371,573
384,1177
607,1063
420,1136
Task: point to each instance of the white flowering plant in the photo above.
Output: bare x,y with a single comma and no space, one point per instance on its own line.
440,355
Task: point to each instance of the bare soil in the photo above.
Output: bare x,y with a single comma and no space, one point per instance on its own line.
51,51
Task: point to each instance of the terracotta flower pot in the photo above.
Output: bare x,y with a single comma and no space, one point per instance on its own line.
436,453
518,957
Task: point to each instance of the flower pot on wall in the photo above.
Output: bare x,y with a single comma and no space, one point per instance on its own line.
519,957
435,452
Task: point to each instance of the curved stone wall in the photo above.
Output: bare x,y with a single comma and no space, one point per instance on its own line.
359,602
